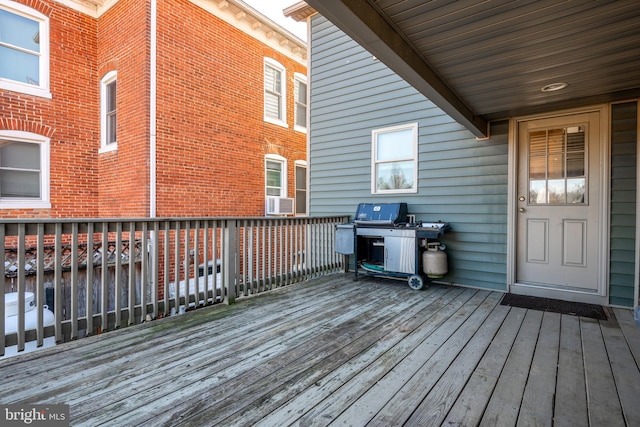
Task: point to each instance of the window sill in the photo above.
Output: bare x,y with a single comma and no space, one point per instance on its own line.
25,89
108,148
276,122
24,204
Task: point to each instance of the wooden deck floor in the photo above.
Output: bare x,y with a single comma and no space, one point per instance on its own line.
334,351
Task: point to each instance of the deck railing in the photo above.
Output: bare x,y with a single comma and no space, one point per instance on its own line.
97,275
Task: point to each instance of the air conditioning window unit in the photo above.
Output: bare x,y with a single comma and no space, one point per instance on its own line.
280,206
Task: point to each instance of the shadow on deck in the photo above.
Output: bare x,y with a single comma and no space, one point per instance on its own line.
335,351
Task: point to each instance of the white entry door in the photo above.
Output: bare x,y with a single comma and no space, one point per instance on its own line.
558,206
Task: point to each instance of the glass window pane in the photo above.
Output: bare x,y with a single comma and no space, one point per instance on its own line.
556,166
555,188
19,155
19,66
302,93
272,79
538,167
556,141
576,190
301,178
111,129
538,191
19,31
272,105
111,96
394,175
301,115
301,202
20,184
575,164
395,145
538,143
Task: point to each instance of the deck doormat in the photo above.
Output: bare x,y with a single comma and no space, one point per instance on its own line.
556,306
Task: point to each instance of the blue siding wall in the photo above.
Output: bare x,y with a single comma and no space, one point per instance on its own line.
461,180
623,203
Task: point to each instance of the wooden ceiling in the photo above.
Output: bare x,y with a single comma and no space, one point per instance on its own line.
485,60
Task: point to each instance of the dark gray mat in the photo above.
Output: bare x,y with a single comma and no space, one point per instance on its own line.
556,306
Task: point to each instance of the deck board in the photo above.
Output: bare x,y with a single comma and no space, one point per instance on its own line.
571,395
333,351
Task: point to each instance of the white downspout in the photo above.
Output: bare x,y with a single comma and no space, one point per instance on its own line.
152,109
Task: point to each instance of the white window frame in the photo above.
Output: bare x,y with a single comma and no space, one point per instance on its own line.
110,77
413,157
297,79
282,121
301,164
283,174
42,89
45,149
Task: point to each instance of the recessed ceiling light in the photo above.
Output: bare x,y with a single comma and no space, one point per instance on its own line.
552,87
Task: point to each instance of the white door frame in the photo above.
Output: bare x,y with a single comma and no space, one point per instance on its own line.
602,296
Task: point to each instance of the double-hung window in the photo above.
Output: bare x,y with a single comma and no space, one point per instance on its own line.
301,187
24,170
394,160
300,96
275,176
24,49
108,112
274,93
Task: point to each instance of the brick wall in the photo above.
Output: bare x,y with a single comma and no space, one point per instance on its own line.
211,137
68,118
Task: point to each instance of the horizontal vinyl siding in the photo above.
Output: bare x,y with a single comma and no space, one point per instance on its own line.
460,180
623,204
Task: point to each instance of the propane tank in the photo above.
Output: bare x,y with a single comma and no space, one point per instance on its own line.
434,261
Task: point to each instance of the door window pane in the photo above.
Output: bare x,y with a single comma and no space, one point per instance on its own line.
557,166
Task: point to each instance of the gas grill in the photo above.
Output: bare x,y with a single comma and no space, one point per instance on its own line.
386,241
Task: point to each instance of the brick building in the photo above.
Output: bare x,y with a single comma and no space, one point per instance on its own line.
137,108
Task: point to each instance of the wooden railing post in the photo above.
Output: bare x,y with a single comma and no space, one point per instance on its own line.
230,262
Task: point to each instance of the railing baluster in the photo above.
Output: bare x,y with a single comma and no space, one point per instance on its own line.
74,281
21,285
155,264
166,256
88,297
39,284
58,291
144,264
193,269
2,292
131,291
118,280
104,282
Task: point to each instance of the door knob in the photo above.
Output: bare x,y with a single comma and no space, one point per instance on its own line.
521,198
521,209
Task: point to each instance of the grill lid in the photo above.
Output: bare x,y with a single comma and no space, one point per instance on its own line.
381,213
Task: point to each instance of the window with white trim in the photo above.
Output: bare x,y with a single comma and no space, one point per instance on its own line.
301,187
275,176
300,96
274,92
108,112
24,170
394,160
24,49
